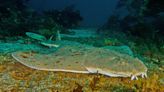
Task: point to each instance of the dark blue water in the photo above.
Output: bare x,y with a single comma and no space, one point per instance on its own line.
95,12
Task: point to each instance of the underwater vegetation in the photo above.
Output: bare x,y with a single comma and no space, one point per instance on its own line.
142,23
16,19
12,16
68,17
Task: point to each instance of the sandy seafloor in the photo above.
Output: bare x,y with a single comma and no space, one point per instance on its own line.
15,77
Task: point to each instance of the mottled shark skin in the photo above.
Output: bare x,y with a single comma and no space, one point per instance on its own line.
114,64
59,61
82,59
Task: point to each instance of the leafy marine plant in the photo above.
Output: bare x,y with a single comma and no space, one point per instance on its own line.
68,17
141,23
14,17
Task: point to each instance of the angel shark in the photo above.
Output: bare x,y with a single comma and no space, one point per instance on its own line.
79,58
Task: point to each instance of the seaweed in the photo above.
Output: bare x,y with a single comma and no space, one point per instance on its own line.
16,18
68,17
142,24
78,88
